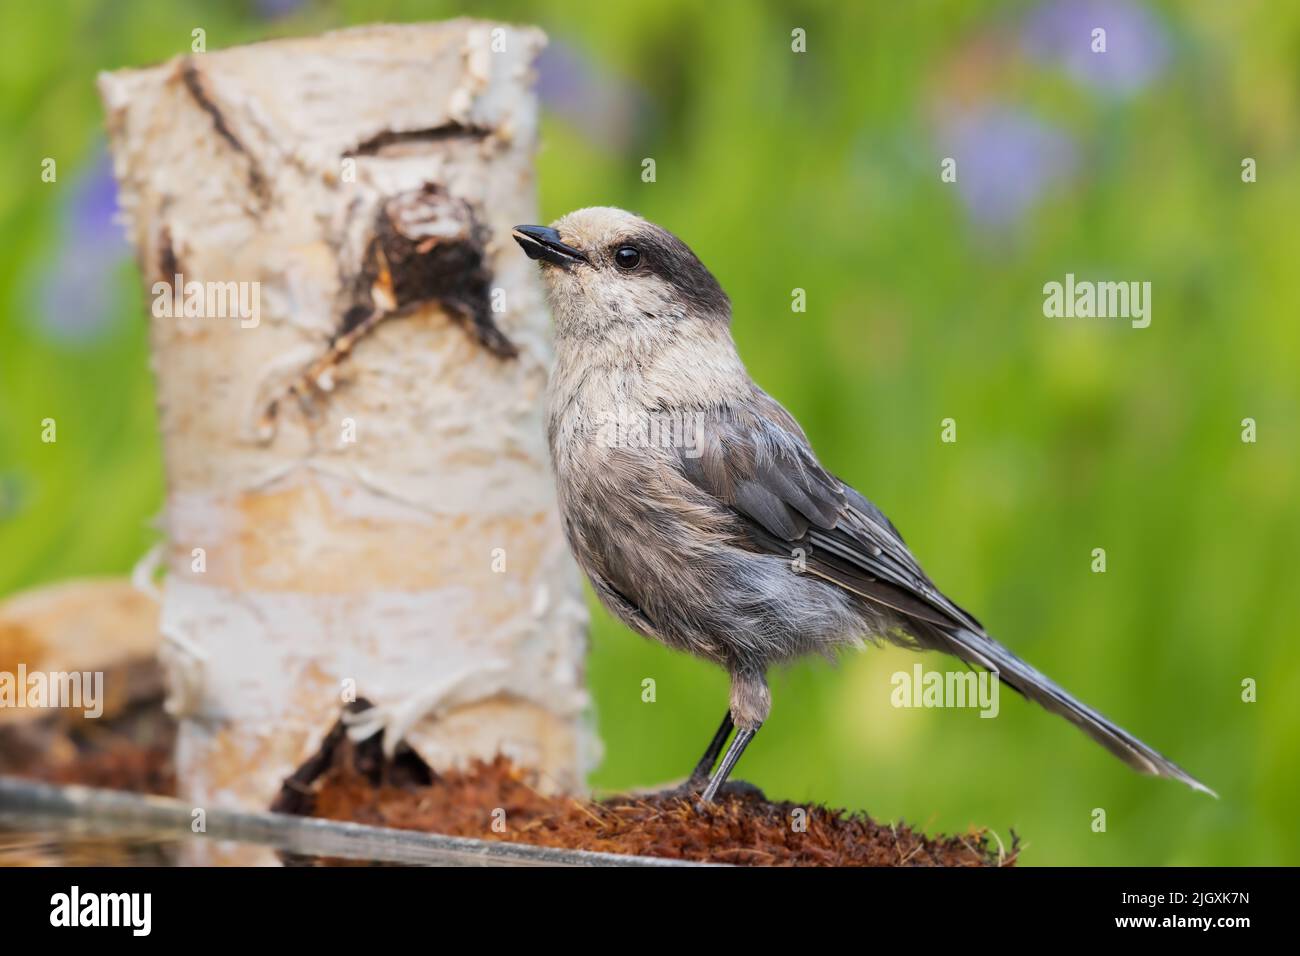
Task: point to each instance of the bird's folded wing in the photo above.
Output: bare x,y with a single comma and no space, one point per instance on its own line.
757,462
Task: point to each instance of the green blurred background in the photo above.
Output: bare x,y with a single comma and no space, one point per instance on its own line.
821,171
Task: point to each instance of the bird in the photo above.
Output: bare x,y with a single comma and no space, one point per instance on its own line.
697,508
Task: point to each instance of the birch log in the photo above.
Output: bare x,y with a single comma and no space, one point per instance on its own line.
358,499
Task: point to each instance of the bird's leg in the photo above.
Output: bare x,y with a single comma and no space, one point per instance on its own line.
750,704
738,745
700,775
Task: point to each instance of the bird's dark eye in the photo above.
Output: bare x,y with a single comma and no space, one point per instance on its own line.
627,257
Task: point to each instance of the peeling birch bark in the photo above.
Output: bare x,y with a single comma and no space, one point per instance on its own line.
358,497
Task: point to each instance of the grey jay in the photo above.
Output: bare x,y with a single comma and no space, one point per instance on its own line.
696,506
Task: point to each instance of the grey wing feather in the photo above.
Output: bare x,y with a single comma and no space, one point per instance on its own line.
760,464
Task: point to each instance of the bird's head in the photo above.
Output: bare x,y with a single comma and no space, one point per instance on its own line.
606,268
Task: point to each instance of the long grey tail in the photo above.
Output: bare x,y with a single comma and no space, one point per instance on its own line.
983,650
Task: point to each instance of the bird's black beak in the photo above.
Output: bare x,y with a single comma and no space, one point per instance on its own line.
541,242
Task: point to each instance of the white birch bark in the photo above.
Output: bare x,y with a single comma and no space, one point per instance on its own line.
393,529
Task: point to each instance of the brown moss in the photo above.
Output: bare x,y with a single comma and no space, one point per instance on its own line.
130,751
126,767
352,782
348,781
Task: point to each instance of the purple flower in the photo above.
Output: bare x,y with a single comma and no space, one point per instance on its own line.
75,293
605,109
1006,161
274,9
1137,48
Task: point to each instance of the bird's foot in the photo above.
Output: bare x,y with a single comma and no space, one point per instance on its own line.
692,789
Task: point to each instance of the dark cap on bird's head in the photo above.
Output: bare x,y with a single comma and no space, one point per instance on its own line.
602,252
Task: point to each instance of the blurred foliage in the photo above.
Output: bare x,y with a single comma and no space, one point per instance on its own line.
821,171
